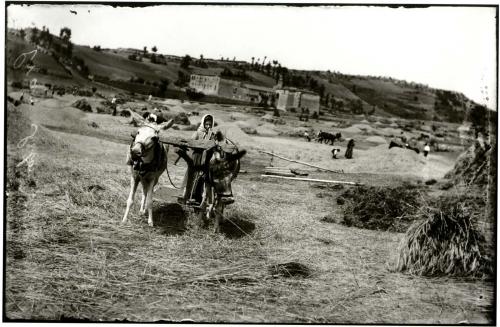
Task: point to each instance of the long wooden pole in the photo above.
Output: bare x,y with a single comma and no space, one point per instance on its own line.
313,180
302,163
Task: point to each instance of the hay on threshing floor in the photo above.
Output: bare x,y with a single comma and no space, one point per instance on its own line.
236,225
246,126
235,134
170,218
266,130
380,208
290,269
446,242
376,139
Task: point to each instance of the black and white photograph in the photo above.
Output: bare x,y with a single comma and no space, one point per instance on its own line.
250,163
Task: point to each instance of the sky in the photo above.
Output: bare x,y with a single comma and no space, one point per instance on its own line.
452,48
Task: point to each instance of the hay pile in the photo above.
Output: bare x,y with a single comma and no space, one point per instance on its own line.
389,131
267,130
180,118
247,126
352,130
239,116
83,105
364,127
471,166
178,109
298,131
380,208
235,134
381,159
446,241
271,119
376,139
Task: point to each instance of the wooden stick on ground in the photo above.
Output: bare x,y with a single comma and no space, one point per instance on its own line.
301,162
313,180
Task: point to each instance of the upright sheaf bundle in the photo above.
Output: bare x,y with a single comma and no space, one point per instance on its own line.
445,241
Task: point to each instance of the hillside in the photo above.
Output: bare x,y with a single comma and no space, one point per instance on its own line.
142,72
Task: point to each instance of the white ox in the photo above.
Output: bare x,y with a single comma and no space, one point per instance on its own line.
147,158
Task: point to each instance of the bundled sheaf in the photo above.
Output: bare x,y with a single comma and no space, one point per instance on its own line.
445,240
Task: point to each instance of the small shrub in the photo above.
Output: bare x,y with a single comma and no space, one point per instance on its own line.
83,105
125,113
17,85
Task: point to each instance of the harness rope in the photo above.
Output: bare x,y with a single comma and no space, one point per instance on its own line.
168,175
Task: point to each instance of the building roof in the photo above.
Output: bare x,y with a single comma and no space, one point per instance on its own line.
206,74
258,87
294,89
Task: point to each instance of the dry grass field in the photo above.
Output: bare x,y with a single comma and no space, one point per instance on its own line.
277,260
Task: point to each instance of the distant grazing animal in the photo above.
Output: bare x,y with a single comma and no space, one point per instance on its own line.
73,12
147,158
325,136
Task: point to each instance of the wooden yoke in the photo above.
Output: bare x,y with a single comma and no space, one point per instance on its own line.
200,145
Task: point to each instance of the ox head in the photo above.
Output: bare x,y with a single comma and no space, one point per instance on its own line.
146,137
223,169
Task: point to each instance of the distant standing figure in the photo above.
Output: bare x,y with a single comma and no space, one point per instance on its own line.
150,97
113,105
334,153
32,102
427,149
350,147
306,135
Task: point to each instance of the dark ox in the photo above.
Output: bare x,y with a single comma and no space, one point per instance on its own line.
222,168
328,137
219,168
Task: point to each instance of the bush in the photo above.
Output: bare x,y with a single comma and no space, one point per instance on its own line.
17,85
381,208
446,240
125,113
83,105
430,182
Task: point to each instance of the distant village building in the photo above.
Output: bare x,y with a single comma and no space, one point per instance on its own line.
206,84
285,98
292,98
229,89
288,98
